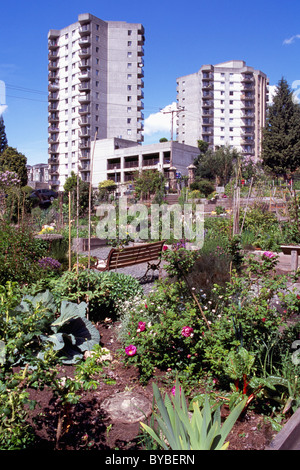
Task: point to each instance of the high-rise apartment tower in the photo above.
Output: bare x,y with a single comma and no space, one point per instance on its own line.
224,105
95,90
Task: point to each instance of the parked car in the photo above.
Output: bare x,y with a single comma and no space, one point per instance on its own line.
44,195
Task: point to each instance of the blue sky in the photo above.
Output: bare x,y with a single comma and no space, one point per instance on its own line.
180,37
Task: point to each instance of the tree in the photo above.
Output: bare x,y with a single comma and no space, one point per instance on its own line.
218,164
281,136
71,186
13,160
3,138
106,187
149,183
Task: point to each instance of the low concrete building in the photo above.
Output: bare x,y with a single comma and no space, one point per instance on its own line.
119,159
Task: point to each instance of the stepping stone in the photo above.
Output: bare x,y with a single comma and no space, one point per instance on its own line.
127,407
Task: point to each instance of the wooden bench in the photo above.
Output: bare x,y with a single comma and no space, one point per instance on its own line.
294,251
133,255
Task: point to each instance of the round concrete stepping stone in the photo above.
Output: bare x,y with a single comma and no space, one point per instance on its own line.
127,407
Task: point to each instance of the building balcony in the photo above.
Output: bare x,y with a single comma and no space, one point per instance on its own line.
53,149
207,86
52,44
85,41
53,86
53,171
85,64
53,97
140,105
84,121
53,117
84,110
53,65
53,55
150,161
85,155
207,132
113,165
84,76
52,129
84,98
52,76
85,29
53,160
247,78
85,144
247,105
84,132
84,53
207,76
54,182
53,107
84,86
53,140
207,94
140,72
246,96
85,167
131,164
207,104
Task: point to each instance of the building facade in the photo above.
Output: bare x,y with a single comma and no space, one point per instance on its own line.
38,175
224,105
119,160
95,74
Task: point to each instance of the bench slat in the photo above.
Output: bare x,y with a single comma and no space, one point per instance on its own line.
129,256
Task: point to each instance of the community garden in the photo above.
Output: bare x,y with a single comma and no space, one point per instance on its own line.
211,341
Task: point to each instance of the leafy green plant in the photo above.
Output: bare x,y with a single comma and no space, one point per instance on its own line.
99,290
178,431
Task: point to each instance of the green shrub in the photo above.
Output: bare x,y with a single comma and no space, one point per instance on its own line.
19,254
100,290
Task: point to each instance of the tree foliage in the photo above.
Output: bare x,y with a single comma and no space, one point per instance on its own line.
13,160
3,138
149,183
71,186
217,164
281,136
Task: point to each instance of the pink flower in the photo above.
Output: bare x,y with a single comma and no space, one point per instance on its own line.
187,331
263,320
130,350
165,248
268,254
142,326
174,390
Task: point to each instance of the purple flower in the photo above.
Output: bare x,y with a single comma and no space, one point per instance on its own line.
130,350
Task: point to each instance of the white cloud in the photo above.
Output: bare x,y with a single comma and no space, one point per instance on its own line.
159,122
272,93
3,107
289,41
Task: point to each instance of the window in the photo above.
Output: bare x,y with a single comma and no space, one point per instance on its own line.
129,43
129,32
129,98
129,54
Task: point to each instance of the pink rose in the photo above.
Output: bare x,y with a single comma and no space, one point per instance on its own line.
268,254
142,326
165,248
187,331
130,350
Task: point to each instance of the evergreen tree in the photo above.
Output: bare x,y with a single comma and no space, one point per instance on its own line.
281,136
3,138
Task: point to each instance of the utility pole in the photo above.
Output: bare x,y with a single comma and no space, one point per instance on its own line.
172,111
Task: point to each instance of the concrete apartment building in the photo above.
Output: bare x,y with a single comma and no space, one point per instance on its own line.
223,104
119,159
95,90
38,175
